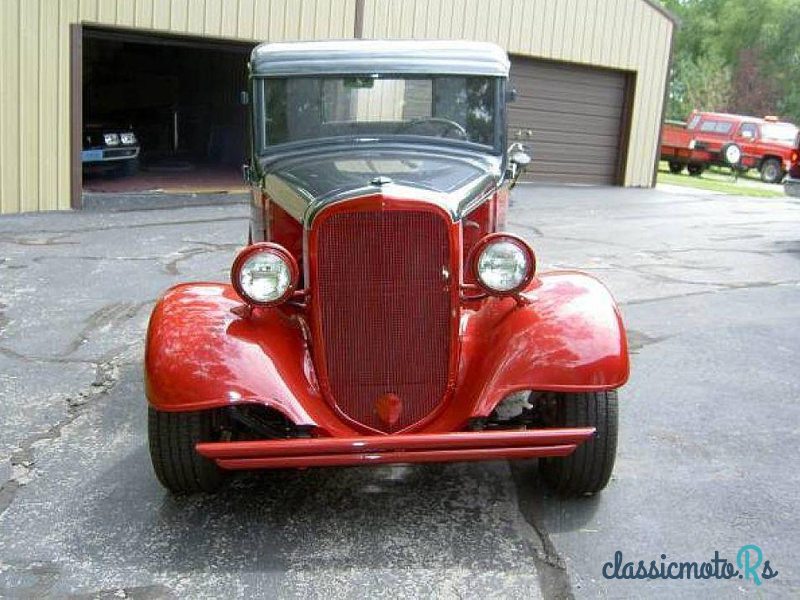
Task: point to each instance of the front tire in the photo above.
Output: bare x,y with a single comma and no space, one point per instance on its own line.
587,470
675,167
177,464
771,171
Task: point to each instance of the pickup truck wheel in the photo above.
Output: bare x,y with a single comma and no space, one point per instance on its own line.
675,167
177,464
695,170
771,171
587,470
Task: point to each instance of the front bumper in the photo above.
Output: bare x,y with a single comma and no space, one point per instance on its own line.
392,449
792,187
109,154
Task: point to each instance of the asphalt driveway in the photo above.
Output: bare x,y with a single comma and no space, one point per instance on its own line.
710,423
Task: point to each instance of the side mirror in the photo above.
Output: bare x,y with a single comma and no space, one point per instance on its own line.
244,98
518,159
511,95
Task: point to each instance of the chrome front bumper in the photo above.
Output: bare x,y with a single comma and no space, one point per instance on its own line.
392,449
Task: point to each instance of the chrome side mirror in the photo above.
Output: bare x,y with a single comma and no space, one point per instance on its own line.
518,159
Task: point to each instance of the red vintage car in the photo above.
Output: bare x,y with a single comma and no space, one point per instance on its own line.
729,140
379,314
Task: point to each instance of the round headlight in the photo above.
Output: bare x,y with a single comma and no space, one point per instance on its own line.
111,139
504,264
264,274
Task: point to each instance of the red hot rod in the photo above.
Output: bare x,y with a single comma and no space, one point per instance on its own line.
378,313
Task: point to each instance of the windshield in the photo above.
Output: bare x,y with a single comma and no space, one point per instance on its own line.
779,132
461,109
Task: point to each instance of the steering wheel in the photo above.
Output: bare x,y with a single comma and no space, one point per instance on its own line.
448,123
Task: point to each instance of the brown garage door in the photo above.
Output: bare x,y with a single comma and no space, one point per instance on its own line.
572,117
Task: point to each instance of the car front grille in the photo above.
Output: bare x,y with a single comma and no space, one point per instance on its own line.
383,305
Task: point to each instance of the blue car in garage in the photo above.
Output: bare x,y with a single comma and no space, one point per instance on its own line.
108,147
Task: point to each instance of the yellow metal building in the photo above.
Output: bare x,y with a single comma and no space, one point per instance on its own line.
591,74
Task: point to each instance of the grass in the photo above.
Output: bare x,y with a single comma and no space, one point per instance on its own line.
717,179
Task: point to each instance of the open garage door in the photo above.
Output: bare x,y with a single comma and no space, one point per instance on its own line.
162,113
573,118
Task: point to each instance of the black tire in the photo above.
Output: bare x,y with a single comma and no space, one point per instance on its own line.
129,167
675,167
177,464
772,171
587,470
695,170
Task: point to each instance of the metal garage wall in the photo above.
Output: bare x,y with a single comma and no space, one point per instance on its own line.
35,70
35,54
629,35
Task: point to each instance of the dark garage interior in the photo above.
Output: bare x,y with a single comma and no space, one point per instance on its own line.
181,98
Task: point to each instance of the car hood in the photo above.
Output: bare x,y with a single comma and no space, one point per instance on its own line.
304,184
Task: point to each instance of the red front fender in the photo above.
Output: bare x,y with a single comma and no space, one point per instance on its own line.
200,355
569,337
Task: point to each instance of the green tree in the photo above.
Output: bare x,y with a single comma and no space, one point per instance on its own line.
780,38
702,83
736,55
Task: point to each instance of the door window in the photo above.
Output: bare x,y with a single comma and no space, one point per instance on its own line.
748,131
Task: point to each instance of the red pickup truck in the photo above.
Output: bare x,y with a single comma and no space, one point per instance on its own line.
736,141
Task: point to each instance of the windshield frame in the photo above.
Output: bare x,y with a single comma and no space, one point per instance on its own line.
263,150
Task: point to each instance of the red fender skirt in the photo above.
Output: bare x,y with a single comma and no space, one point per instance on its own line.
392,449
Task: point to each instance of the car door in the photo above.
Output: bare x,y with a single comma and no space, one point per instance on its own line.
746,137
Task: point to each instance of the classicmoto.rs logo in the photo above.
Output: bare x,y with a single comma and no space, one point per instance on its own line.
749,565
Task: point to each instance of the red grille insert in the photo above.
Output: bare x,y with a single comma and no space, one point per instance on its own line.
384,307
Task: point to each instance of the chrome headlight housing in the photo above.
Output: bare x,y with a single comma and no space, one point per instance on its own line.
503,264
127,138
264,274
111,139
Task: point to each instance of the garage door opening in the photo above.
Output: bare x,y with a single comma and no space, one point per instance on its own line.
575,119
161,113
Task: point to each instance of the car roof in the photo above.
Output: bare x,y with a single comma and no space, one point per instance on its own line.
728,117
737,118
362,57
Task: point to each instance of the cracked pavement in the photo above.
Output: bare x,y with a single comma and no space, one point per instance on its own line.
710,291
